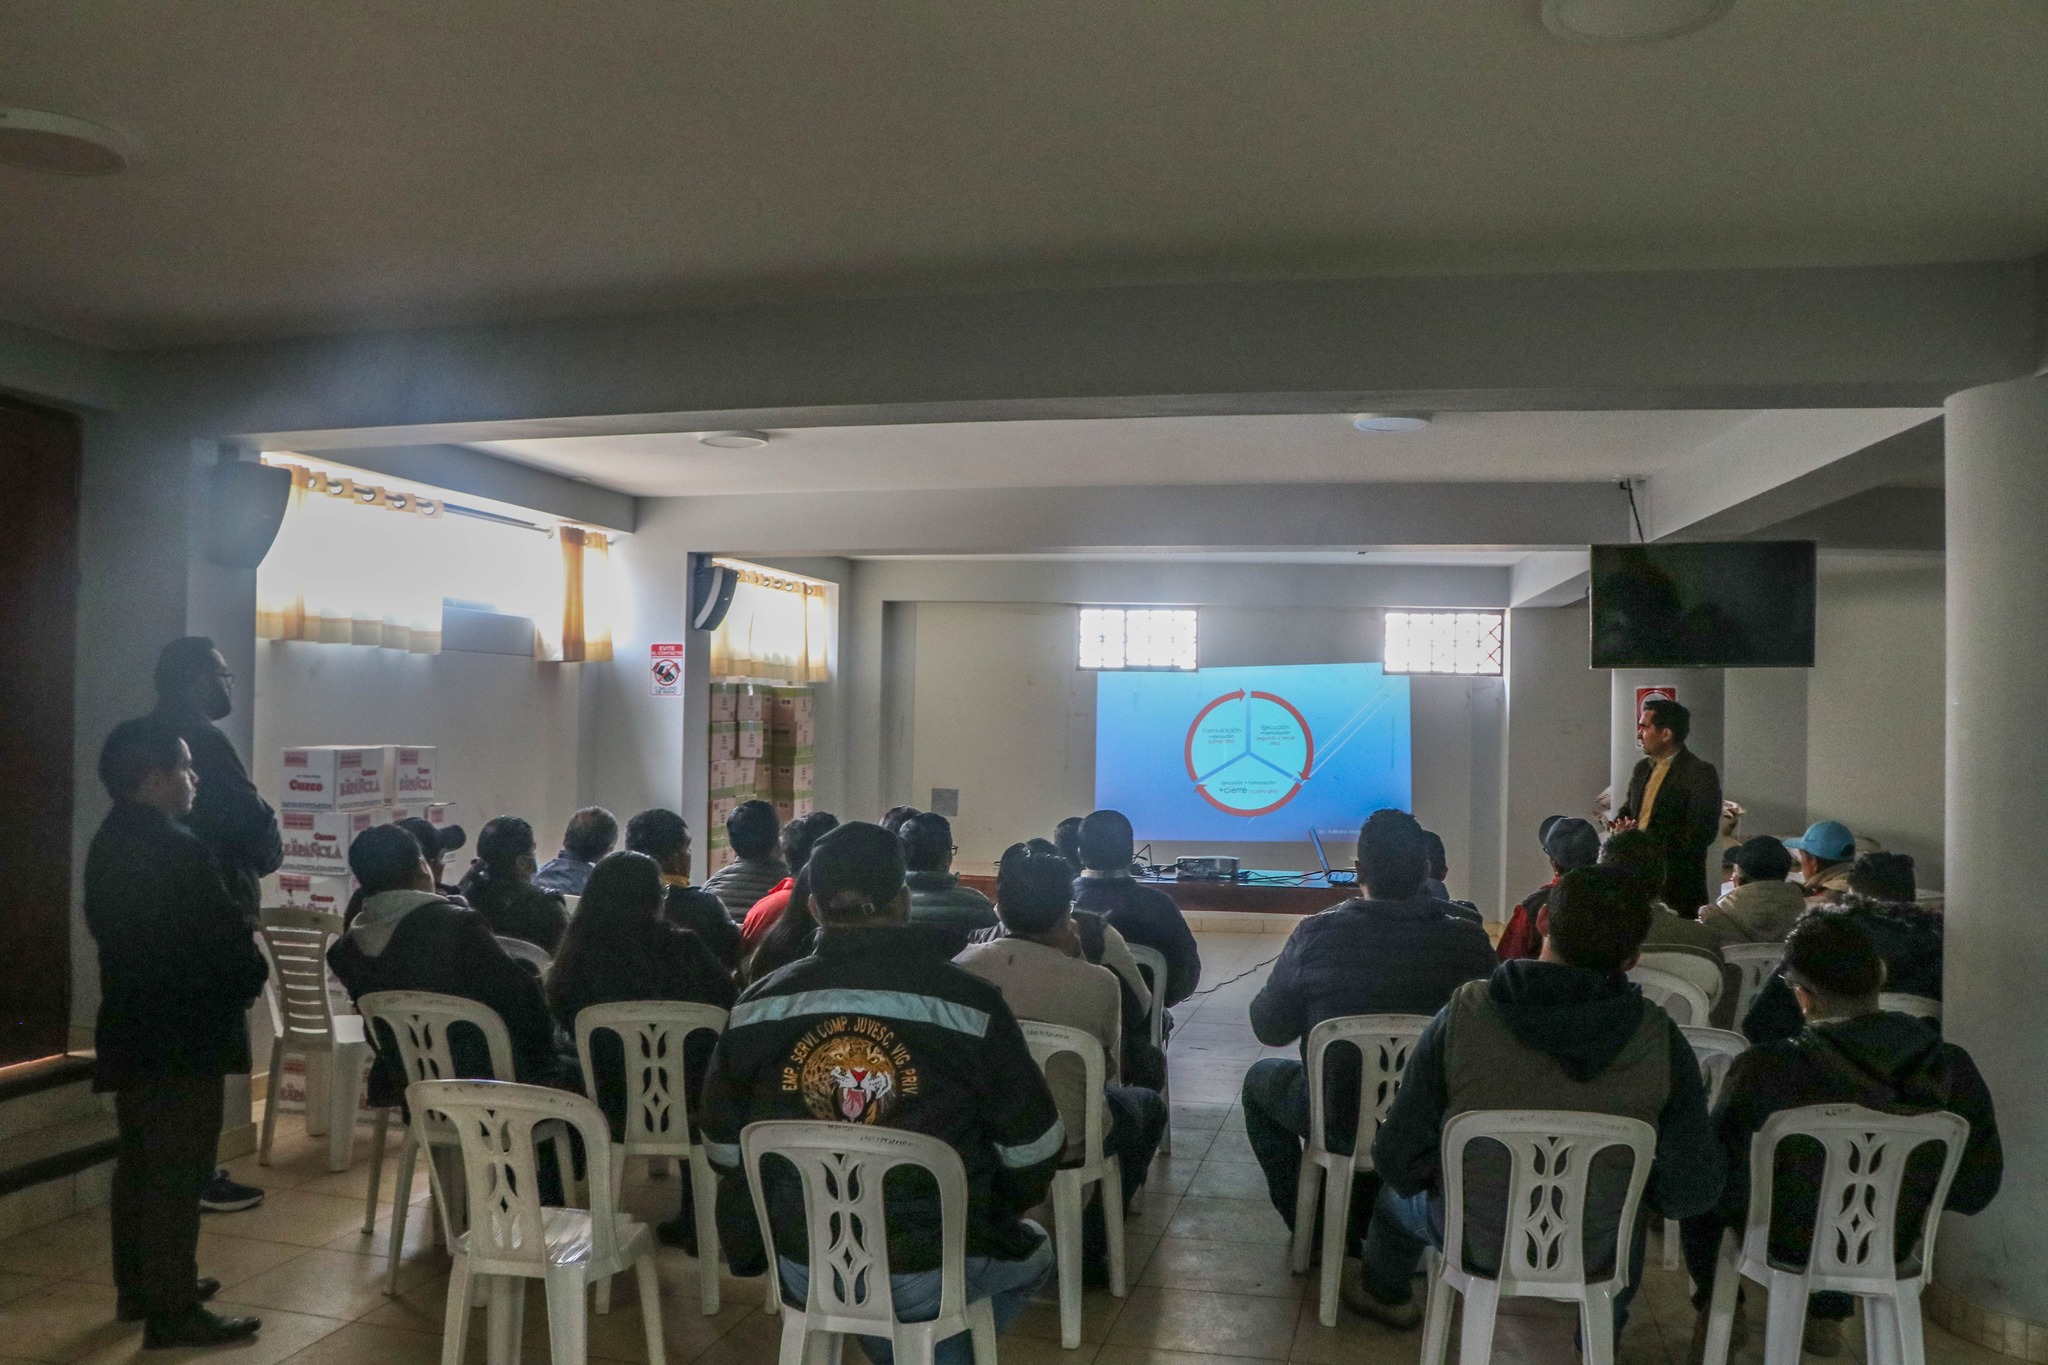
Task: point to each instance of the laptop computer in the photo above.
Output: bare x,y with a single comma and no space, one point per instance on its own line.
1334,878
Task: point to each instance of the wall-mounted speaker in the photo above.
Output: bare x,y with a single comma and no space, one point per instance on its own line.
711,586
245,505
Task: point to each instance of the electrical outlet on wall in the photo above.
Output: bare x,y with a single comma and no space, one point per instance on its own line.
945,801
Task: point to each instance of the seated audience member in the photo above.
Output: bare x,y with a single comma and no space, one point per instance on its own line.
622,946
1825,852
893,818
1849,1052
1568,842
1763,907
1567,1031
1640,858
1066,837
1144,915
1727,870
1908,938
936,895
592,832
436,843
1434,885
500,886
876,1028
662,836
796,840
791,937
751,829
1044,976
1393,951
410,939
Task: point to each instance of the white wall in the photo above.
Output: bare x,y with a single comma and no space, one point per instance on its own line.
1557,743
995,707
508,729
1875,707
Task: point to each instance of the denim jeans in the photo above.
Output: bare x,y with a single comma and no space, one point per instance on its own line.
1403,1224
1010,1284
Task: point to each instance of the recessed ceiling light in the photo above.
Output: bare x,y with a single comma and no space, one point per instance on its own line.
733,440
1391,421
1629,21
60,144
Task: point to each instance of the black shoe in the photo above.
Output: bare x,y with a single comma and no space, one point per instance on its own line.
679,1231
223,1194
130,1310
198,1327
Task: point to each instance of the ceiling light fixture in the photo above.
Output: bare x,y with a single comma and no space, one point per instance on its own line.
734,440
59,144
1391,421
1629,21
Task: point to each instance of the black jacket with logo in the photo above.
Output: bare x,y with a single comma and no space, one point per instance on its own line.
877,1027
179,964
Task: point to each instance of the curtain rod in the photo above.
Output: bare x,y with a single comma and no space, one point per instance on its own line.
478,514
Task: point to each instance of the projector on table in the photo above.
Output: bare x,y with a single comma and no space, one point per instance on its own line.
1205,869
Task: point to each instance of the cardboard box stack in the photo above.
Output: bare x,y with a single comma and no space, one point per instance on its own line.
330,793
791,751
741,714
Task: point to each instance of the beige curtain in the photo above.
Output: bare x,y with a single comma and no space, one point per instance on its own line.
586,596
778,630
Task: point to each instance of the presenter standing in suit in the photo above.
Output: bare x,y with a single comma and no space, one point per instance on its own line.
1674,795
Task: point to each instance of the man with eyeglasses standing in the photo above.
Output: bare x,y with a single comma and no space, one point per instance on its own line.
194,689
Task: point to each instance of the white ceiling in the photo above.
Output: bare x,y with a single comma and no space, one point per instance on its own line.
1323,448
311,166
1389,558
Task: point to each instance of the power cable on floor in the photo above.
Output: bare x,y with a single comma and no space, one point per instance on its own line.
1257,966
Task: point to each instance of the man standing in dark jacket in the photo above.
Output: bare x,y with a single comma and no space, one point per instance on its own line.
878,1028
1395,952
1566,1031
1850,1052
1676,796
193,690
1144,915
179,968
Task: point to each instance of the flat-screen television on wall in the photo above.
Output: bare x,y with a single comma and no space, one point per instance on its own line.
1733,604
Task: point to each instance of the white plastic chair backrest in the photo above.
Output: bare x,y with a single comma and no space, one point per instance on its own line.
1676,996
301,1009
1756,962
1152,966
1698,968
419,1022
1901,1002
1856,1214
526,951
1384,1042
1716,1049
652,1034
569,903
494,1121
842,1167
1551,1154
1048,1041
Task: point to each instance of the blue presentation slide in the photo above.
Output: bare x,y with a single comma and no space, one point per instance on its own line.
1243,754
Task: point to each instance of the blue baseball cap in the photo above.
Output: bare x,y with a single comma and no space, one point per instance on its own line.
1829,840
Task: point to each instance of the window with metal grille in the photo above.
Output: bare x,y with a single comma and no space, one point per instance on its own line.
1459,642
1138,637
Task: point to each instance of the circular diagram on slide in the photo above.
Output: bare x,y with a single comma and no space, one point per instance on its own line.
1248,753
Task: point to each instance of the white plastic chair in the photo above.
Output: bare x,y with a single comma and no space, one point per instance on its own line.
1383,1042
652,1034
304,1022
1756,962
419,1021
1542,1254
1676,996
512,1238
1855,1222
532,954
1070,1183
1919,1006
842,1167
1151,964
1716,1050
1697,967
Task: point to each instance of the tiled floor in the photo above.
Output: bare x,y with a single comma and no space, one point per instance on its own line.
1207,1255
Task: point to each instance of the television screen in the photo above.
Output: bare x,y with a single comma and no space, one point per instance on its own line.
1736,604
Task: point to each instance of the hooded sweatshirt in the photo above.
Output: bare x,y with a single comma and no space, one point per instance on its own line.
1755,912
1542,1035
1888,1062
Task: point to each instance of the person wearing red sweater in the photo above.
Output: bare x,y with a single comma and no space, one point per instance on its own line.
1568,842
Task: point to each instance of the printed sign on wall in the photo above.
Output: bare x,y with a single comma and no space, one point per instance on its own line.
665,669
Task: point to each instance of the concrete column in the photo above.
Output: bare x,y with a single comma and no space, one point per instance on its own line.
1997,808
1700,691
